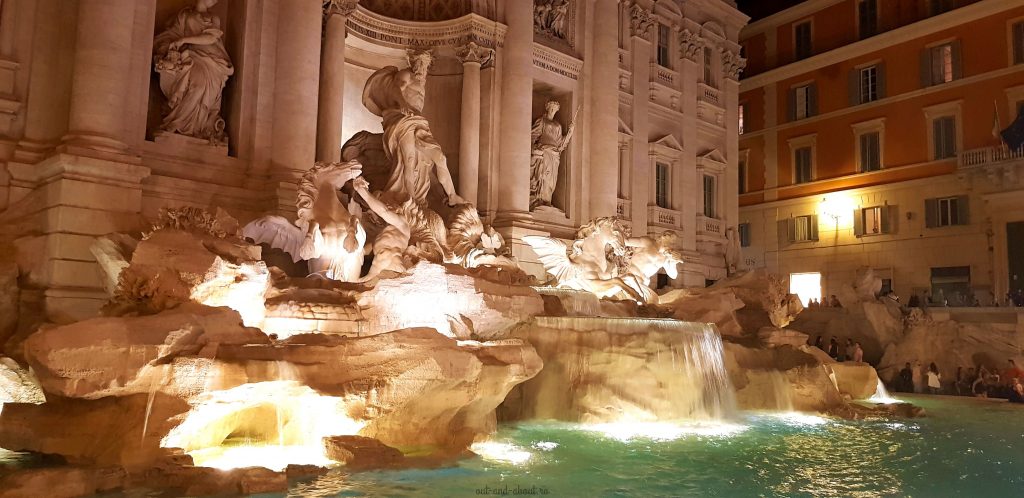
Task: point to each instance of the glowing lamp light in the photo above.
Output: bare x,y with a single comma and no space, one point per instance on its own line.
837,207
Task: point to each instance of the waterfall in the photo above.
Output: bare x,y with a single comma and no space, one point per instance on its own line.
882,396
626,370
782,392
575,302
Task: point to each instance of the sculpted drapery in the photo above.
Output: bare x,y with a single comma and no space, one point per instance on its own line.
193,65
548,145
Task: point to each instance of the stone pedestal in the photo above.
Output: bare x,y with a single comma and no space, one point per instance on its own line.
177,142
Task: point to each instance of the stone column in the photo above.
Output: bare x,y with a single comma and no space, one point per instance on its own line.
332,80
732,66
604,102
472,56
641,23
624,170
296,85
102,75
691,49
516,102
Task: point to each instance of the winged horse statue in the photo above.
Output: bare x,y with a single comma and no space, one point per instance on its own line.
584,265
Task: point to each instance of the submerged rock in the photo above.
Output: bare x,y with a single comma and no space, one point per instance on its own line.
361,452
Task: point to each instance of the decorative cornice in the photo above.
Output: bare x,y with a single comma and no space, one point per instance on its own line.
640,21
732,64
401,34
339,7
557,62
472,53
690,44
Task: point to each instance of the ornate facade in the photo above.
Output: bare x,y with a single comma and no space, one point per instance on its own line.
84,149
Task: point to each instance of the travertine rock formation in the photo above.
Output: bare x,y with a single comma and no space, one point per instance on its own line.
951,344
741,304
134,382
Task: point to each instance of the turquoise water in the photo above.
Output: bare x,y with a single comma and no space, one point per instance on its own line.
965,447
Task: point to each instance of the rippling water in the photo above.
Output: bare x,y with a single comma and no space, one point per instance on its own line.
965,447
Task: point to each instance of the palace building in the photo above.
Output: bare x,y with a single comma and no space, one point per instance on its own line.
97,136
870,136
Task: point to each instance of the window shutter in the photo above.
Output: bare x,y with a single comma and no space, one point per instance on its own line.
880,79
961,210
784,233
938,135
858,222
887,213
792,104
1018,43
931,213
853,86
926,68
958,71
791,230
812,99
814,226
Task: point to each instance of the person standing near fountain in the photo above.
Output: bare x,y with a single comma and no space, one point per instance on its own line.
918,377
858,353
907,379
934,379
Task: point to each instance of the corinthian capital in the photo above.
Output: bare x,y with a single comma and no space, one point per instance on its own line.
471,52
732,64
640,21
690,44
339,7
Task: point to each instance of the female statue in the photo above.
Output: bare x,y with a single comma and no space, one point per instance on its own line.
548,145
193,65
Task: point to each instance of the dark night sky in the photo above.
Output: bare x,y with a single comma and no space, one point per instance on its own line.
758,9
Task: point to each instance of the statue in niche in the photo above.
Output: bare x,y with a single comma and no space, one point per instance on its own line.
585,265
397,96
193,65
549,17
327,233
649,256
548,145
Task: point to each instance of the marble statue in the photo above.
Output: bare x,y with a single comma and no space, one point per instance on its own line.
327,233
549,17
193,65
473,244
397,96
732,251
649,256
548,145
585,264
392,243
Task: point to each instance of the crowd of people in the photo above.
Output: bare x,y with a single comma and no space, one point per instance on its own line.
831,302
981,382
851,351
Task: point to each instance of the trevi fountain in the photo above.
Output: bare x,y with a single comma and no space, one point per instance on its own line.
380,337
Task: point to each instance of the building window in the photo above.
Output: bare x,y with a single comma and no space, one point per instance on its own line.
942,64
936,7
709,196
944,137
664,35
742,166
803,101
802,40
867,18
1018,43
946,211
868,84
802,165
951,285
744,230
870,152
806,286
803,228
741,110
872,221
709,73
661,185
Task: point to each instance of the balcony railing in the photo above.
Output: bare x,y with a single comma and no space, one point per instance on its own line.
710,226
663,75
659,216
624,209
976,158
710,95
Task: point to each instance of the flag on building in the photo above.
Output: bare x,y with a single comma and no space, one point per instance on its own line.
1014,135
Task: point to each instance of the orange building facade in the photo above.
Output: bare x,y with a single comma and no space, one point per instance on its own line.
870,139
